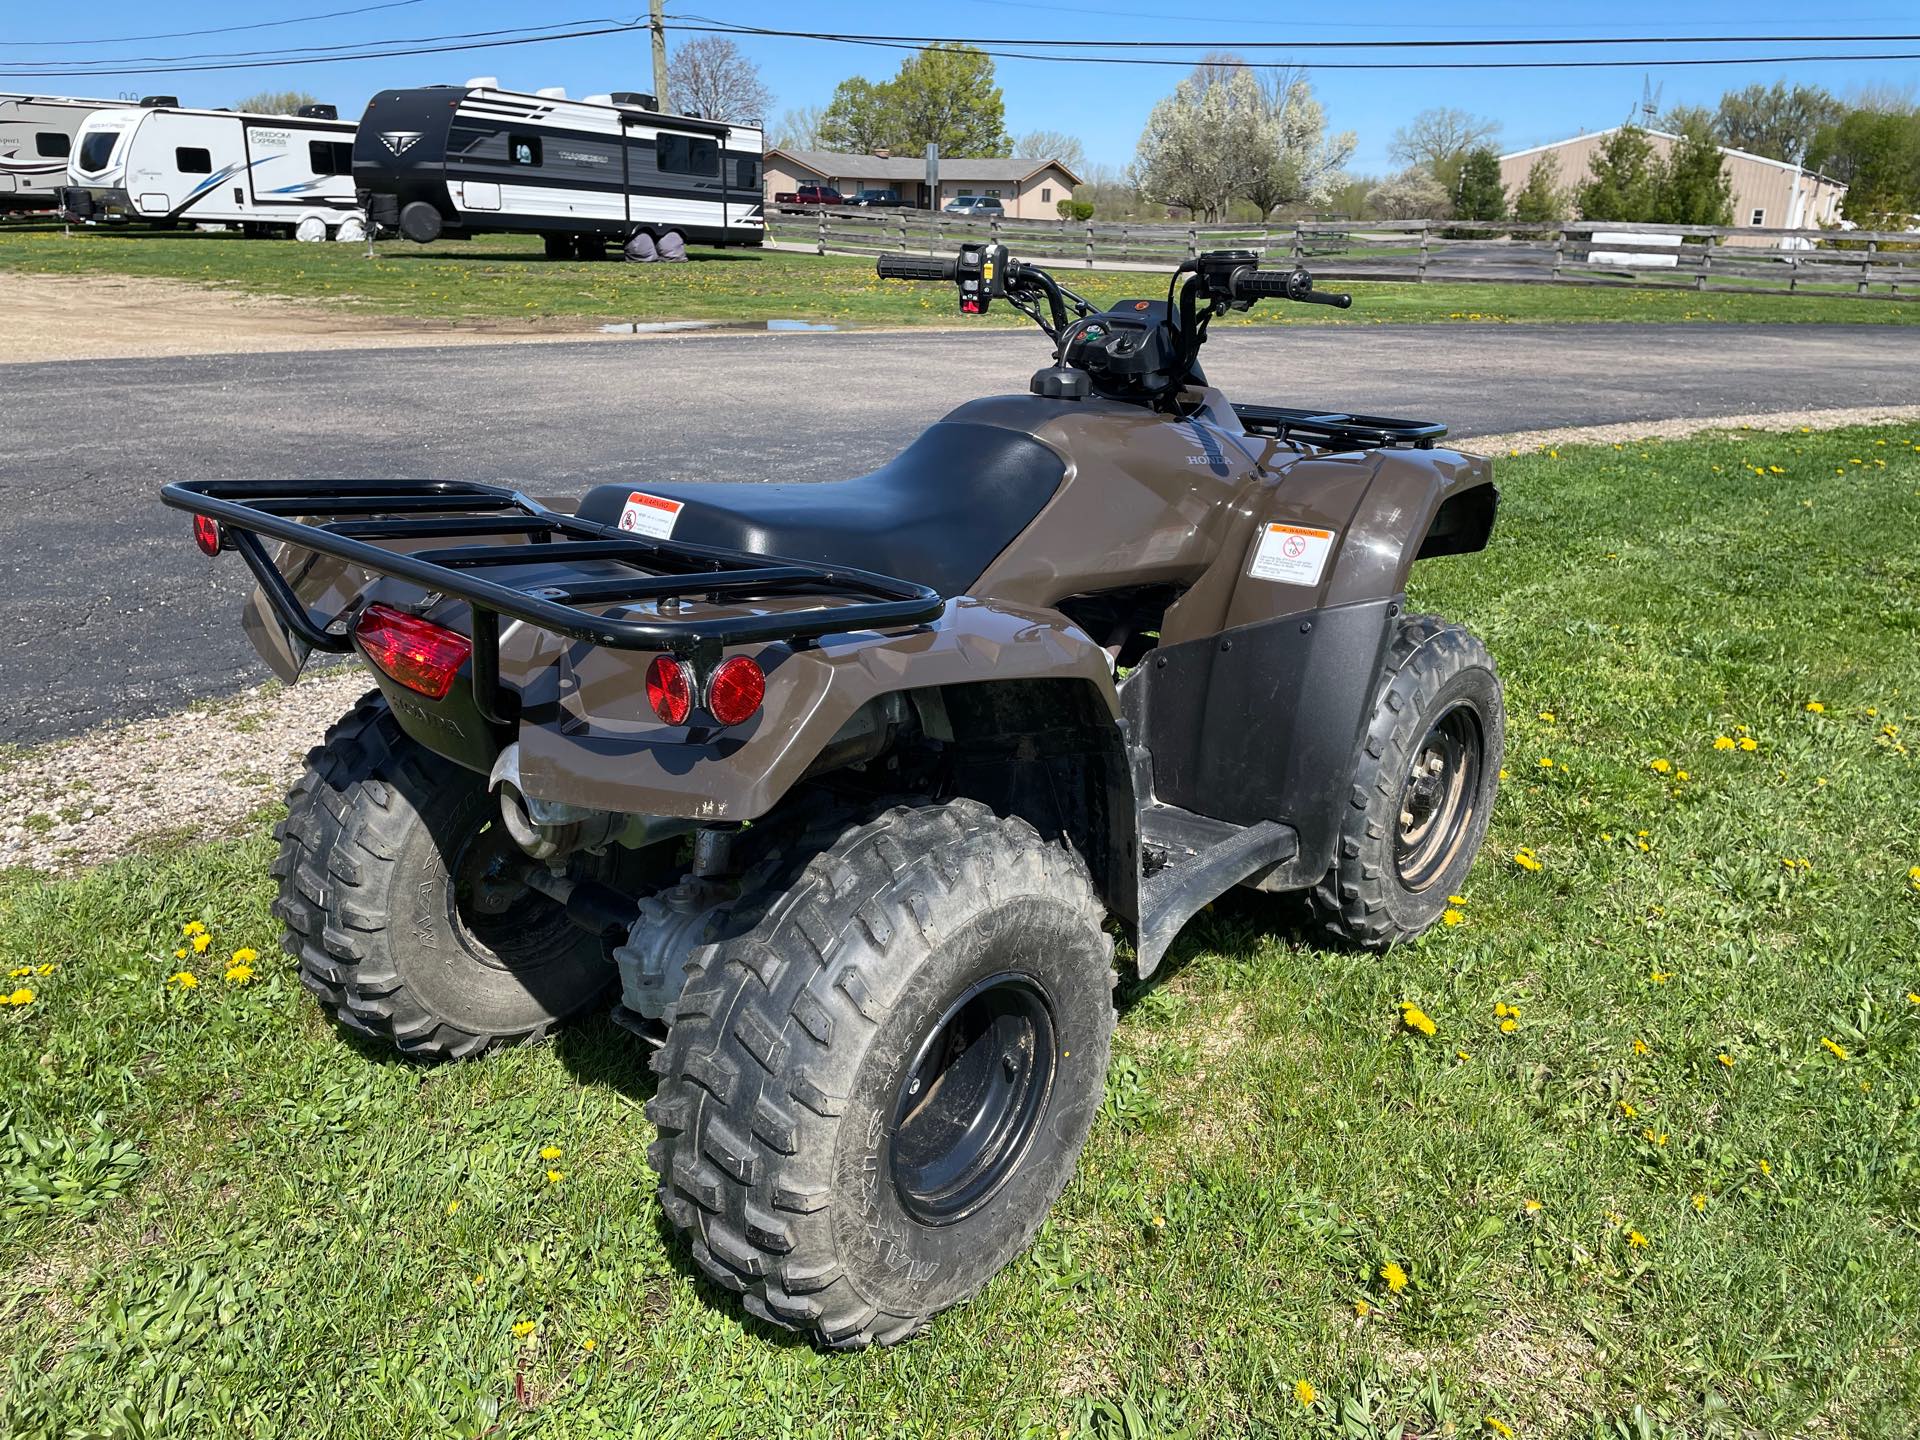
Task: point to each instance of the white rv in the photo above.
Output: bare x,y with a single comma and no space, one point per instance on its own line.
463,160
270,174
36,137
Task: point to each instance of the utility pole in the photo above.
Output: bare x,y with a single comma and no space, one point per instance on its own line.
659,28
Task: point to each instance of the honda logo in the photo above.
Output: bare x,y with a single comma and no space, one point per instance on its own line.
399,141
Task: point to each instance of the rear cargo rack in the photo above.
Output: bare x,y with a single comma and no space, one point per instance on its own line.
1333,430
344,517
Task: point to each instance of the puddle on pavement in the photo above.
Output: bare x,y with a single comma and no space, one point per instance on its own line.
737,327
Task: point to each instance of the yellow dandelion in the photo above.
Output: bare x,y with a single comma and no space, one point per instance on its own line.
522,1329
1725,1059
1462,1055
1654,1137
201,942
1526,859
245,955
1362,1309
452,1206
1839,1050
550,1152
1547,717
1659,977
1660,767
1304,1392
1626,1109
22,996
238,974
18,971
180,954
1814,707
1635,1240
1545,763
1723,742
1532,1207
1699,1202
46,969
1159,1222
1499,1008
1461,899
185,979
1393,1277
1913,874
1451,916
589,1344
1748,743
1414,1018
554,1177
1640,1047
1499,1427
1509,1025
1766,1168
478,1281
193,928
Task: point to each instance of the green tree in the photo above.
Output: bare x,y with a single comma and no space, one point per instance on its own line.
1439,140
1541,200
1625,180
1876,154
275,102
1695,186
1480,195
1775,120
943,95
860,118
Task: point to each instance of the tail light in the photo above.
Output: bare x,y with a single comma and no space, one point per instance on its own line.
421,655
206,534
735,690
670,689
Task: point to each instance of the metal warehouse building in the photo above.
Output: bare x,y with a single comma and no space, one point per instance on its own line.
1766,193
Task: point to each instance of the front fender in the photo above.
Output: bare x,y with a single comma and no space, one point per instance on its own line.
588,736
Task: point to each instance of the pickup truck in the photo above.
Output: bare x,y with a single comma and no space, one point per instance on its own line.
808,197
879,200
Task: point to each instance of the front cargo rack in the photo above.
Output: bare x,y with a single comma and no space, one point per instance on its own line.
342,518
1331,429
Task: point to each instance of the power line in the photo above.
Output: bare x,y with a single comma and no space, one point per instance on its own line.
222,29
102,72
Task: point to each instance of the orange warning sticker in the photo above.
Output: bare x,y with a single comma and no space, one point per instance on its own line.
651,515
1291,554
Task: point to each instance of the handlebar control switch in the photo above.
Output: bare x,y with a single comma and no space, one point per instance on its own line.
981,273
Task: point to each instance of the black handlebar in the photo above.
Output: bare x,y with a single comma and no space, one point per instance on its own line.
916,267
1250,284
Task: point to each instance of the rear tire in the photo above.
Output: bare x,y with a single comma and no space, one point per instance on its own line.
396,890
937,972
558,247
1410,835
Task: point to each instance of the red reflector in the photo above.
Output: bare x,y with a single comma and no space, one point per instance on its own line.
206,534
419,654
736,690
670,689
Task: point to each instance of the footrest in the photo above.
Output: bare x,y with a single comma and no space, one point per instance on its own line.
1171,897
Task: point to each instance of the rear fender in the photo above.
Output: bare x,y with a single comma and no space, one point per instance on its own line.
588,736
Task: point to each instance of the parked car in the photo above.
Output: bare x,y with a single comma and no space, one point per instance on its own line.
808,197
879,200
979,207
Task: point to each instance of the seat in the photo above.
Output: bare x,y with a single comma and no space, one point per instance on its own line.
937,513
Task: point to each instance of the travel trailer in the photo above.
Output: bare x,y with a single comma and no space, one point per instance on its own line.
36,137
464,160
270,174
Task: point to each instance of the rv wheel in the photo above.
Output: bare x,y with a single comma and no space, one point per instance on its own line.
559,247
590,247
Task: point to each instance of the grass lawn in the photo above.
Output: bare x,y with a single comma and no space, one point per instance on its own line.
499,277
1678,1196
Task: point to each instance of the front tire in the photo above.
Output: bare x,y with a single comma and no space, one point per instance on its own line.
1423,788
398,893
876,1086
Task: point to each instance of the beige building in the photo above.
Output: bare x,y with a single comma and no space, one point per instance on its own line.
1767,194
1028,189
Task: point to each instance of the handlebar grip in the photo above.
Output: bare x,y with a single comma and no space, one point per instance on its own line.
1250,284
915,267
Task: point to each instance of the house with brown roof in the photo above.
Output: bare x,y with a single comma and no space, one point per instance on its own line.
1767,194
1028,189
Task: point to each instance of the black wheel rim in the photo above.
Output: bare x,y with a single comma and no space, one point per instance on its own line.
972,1099
1438,797
499,920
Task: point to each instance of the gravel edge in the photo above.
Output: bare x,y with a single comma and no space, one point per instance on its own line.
204,771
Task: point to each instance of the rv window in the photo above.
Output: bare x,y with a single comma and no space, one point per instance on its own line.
52,145
747,173
191,160
688,155
523,149
330,157
97,149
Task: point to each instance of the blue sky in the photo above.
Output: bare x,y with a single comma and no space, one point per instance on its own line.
1104,105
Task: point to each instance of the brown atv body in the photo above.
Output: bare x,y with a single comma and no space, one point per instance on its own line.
1119,632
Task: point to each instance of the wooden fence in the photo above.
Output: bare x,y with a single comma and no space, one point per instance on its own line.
1875,264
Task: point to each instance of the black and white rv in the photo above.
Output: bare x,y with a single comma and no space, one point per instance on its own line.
36,137
270,174
464,160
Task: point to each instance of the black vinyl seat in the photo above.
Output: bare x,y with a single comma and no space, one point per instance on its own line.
937,513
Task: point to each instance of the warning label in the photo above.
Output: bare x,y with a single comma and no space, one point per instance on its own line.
1291,554
650,515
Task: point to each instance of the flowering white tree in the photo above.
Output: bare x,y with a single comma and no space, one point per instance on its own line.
1223,135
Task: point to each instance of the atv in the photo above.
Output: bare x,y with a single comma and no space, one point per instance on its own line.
840,792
